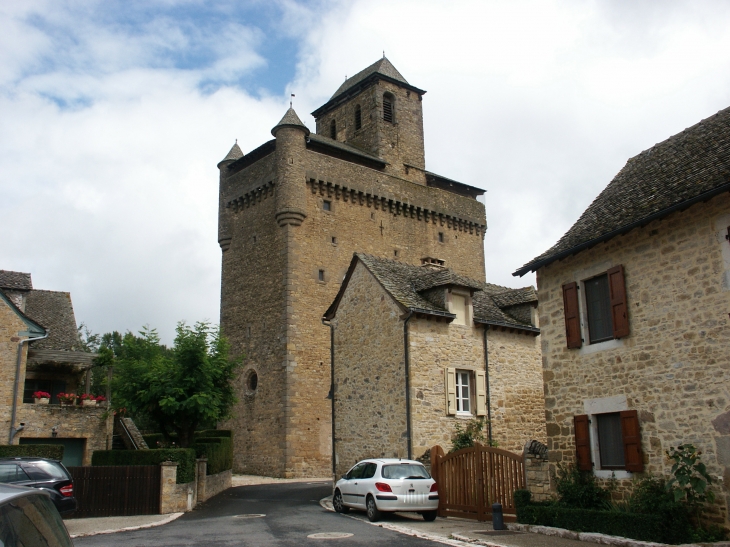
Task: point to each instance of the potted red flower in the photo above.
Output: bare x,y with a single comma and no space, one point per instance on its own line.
100,399
66,399
88,400
41,397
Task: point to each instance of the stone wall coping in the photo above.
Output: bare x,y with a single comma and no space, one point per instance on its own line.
169,463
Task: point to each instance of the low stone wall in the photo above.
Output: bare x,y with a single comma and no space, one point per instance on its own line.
178,498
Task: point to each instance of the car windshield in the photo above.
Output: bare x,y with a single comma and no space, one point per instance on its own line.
405,471
32,521
45,471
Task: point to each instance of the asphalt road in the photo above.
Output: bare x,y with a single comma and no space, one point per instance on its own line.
262,515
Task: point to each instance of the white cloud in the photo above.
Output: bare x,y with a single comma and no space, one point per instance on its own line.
113,195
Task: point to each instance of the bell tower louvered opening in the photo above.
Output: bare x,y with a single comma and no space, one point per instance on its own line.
358,118
333,130
388,107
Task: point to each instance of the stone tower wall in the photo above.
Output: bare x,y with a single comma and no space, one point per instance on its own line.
252,317
400,143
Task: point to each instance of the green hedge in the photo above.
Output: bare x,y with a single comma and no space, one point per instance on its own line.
184,456
50,451
214,433
672,529
218,450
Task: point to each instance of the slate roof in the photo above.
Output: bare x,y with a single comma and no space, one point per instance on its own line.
15,281
53,310
289,119
689,167
381,66
381,69
33,327
405,282
348,148
234,154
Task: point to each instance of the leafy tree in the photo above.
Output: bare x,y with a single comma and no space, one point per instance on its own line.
175,388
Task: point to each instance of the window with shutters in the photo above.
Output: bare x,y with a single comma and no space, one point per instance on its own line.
358,117
608,441
466,392
601,313
389,108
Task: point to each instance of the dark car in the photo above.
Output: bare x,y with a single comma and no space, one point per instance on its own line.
27,517
47,475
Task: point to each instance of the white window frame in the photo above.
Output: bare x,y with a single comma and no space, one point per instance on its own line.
604,405
477,390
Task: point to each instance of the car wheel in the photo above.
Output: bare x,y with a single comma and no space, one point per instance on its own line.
337,503
429,516
373,512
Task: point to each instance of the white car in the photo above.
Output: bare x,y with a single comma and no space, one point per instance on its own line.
390,484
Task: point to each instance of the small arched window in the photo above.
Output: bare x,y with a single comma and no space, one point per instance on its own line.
388,108
358,118
333,129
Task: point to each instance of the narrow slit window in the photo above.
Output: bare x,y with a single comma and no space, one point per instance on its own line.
358,118
333,129
441,237
327,205
320,275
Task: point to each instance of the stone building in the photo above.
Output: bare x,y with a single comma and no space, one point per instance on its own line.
634,302
409,361
40,351
292,212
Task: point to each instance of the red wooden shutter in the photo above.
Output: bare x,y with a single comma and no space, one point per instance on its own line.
572,316
619,307
583,442
632,441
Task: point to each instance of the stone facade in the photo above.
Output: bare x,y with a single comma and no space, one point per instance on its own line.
376,385
674,366
292,212
89,426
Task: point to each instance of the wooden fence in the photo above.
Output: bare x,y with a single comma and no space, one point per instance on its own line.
107,491
472,479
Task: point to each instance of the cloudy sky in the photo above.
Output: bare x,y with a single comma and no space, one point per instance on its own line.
114,114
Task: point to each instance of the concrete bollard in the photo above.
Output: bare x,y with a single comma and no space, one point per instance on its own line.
497,517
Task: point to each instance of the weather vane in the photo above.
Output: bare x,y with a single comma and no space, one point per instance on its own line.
291,101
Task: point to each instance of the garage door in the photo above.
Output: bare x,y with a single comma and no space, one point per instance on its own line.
73,449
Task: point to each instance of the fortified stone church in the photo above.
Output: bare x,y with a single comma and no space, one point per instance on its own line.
292,212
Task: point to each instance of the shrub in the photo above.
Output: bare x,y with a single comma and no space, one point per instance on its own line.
466,437
184,456
643,527
579,489
218,450
214,433
50,451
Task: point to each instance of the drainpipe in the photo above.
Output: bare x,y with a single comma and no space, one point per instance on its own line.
489,396
331,395
16,387
408,384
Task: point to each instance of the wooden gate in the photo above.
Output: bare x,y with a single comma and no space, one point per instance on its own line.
110,491
472,479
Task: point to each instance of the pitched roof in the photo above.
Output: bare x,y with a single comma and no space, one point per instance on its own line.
382,69
17,281
344,147
53,309
689,167
405,283
382,66
290,119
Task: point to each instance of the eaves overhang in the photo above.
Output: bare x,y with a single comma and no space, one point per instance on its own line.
525,328
681,206
350,92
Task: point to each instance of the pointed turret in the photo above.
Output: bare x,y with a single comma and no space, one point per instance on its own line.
290,135
234,154
290,119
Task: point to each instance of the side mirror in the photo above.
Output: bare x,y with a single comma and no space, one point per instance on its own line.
344,477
